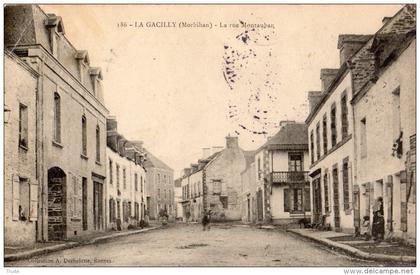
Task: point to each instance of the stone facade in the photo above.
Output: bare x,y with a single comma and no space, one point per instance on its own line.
20,181
159,187
71,124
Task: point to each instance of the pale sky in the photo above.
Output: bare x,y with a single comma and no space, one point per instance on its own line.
166,86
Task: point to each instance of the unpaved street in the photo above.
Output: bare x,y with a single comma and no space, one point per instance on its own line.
188,245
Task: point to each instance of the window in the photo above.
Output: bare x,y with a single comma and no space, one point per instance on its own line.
326,197
295,162
312,146
98,144
24,199
136,183
164,192
324,134
118,176
346,193
158,178
259,168
75,196
296,200
124,179
224,201
111,210
159,193
318,142
333,126
363,138
344,121
141,184
23,126
217,187
110,172
84,136
118,210
57,118
164,179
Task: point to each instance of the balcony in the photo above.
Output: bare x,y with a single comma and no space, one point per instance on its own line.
289,177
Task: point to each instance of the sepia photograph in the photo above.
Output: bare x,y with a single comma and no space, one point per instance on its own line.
210,135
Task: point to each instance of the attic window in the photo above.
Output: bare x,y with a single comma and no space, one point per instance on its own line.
55,25
83,61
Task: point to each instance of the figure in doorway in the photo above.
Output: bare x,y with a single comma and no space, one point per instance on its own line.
378,223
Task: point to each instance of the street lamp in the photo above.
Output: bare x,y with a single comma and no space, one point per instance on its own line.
6,116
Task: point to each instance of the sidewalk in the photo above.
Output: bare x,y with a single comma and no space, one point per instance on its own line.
15,254
368,250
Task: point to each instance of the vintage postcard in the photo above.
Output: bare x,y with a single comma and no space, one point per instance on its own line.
210,135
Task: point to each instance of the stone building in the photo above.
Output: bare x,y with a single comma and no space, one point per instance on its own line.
342,185
125,182
385,126
249,191
178,199
281,173
159,187
20,181
71,124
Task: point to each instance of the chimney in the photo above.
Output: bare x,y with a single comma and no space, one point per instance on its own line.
314,97
386,19
349,44
111,123
285,122
231,142
327,77
206,152
216,149
187,171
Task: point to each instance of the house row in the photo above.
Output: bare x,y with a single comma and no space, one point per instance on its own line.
68,172
213,183
356,146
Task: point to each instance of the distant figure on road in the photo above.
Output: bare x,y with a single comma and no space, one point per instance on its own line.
187,216
206,220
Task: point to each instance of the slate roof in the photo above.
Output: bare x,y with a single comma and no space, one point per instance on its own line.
153,161
292,136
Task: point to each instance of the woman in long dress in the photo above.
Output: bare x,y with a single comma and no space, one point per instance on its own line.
378,223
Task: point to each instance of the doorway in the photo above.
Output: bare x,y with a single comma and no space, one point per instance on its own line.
56,204
336,198
97,205
317,207
84,204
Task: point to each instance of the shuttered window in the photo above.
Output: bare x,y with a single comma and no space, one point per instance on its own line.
324,134
23,126
344,120
333,126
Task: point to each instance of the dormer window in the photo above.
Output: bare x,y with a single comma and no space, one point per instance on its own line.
83,61
56,28
96,78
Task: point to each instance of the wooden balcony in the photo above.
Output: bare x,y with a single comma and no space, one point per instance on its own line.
286,177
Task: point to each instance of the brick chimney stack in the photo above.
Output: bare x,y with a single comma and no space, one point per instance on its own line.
232,142
349,44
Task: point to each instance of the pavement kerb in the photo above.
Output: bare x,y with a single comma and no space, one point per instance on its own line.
45,250
354,251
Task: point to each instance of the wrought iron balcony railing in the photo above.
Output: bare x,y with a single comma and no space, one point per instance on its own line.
290,177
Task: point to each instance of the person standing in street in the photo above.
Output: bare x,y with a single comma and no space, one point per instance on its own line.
378,222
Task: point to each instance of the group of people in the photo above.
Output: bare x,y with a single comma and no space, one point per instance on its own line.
377,230
205,220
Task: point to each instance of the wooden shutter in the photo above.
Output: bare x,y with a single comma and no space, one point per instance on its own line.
15,197
307,199
33,206
286,201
